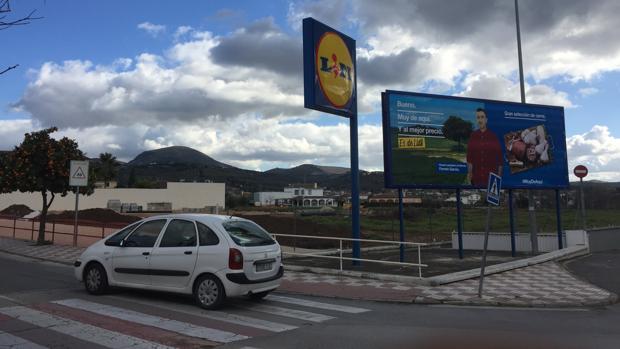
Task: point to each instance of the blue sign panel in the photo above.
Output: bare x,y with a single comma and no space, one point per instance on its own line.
330,71
494,188
433,141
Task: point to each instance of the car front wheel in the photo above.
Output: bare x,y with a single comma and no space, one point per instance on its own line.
209,292
95,279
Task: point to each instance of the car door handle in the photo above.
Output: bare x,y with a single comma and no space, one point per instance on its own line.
146,253
188,252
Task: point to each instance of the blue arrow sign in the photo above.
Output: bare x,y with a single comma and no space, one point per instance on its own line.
494,188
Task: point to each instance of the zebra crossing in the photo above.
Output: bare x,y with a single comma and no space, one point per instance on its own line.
129,321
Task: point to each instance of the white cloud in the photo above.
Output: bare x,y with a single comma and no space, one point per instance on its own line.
185,84
247,141
598,150
182,31
588,91
152,29
501,88
12,132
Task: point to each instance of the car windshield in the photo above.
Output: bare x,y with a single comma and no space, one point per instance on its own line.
246,233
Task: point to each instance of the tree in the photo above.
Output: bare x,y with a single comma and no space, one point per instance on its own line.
108,168
457,130
5,23
41,164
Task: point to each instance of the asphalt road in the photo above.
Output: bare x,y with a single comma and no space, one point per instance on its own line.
32,289
601,269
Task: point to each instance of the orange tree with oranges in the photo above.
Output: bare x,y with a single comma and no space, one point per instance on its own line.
41,164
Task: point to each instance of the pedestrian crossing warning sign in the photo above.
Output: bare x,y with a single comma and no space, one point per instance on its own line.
493,189
78,174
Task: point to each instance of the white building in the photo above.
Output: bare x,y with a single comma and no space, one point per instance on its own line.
294,196
304,191
182,196
466,199
269,198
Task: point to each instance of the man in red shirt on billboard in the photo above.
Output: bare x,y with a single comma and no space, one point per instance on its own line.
484,152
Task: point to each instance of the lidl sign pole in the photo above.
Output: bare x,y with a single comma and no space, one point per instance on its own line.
330,86
78,177
494,188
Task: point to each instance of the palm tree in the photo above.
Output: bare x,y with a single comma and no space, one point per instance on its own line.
109,168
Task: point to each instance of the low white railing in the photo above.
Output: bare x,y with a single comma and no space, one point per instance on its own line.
340,256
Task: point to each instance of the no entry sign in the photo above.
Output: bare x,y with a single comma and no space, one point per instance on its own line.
580,171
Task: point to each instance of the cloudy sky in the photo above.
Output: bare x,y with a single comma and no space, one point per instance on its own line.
226,77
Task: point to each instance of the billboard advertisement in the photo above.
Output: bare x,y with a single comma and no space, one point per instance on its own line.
438,141
329,69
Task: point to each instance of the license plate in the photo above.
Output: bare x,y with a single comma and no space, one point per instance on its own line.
264,266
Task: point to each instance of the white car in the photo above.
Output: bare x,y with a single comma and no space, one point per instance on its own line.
209,256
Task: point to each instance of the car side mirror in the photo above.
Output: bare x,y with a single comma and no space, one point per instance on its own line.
121,243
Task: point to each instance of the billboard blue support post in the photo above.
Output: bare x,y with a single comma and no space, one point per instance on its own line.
401,217
459,222
558,205
355,185
330,86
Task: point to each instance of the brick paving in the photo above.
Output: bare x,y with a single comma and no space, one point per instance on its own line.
55,253
542,285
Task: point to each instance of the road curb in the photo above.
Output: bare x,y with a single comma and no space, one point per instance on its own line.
35,257
371,299
514,303
358,274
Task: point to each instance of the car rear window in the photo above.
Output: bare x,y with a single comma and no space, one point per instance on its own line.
246,233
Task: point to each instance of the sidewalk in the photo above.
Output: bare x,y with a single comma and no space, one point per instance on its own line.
542,285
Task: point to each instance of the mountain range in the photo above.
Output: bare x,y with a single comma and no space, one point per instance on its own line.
178,163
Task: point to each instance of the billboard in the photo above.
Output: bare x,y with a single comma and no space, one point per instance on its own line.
329,69
433,141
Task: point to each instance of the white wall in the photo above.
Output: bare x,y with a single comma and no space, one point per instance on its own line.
263,198
501,241
182,195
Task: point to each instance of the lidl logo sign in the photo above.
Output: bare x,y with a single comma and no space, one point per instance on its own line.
329,70
335,69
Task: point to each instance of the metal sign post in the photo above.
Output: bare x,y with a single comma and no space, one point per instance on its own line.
493,198
581,172
78,177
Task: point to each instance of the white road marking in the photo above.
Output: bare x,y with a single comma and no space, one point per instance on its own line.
13,300
319,305
506,308
286,312
215,315
85,332
8,340
184,328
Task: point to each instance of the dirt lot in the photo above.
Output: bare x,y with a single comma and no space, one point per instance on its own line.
16,210
97,215
296,225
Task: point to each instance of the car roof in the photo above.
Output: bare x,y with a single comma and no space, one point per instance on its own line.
202,217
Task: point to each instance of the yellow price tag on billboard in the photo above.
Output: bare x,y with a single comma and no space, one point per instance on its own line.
411,142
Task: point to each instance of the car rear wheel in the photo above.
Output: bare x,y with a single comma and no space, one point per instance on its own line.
209,292
95,279
259,295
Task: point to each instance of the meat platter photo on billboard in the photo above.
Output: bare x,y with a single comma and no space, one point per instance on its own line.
528,148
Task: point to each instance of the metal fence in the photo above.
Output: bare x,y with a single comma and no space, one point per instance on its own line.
342,258
16,227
